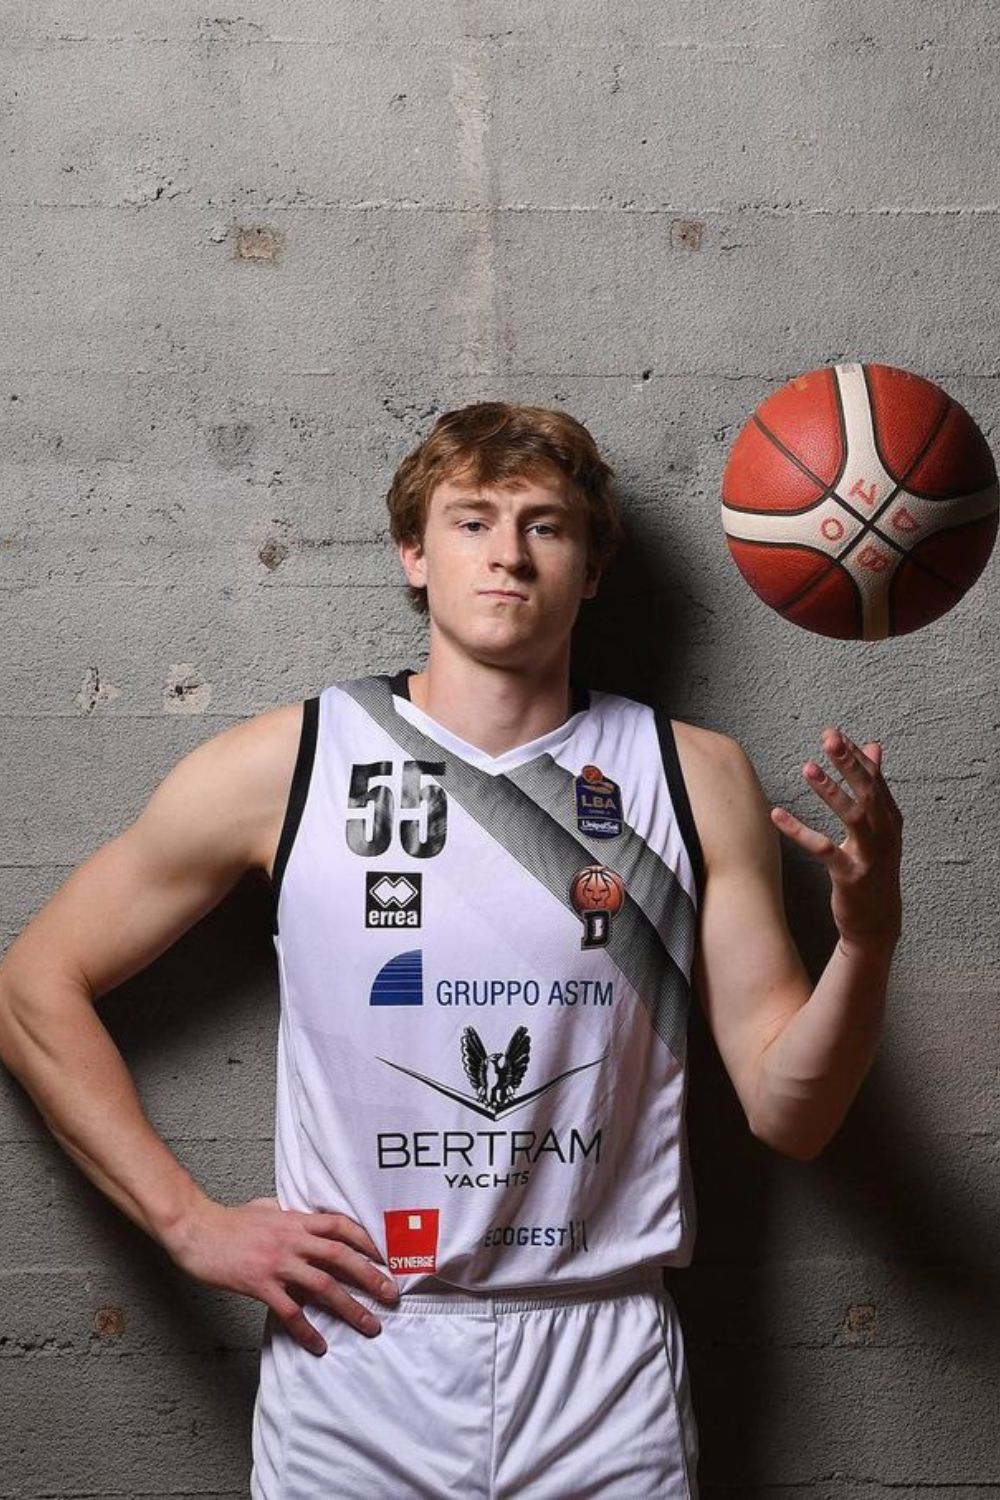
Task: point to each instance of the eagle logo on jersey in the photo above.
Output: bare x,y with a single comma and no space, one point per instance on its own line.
495,1075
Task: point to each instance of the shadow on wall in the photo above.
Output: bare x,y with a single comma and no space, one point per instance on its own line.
769,1336
136,1350
631,638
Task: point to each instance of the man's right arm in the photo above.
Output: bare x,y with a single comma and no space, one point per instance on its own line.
216,815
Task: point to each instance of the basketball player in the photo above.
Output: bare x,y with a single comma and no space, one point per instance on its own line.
494,891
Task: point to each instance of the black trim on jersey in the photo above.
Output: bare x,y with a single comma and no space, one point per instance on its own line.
296,796
579,695
681,801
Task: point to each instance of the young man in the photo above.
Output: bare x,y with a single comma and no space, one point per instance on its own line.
494,892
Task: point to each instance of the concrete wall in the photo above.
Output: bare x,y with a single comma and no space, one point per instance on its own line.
247,256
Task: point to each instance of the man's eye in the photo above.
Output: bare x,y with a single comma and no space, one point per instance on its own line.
545,527
470,523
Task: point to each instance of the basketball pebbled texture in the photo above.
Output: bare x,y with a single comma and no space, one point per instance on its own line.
860,501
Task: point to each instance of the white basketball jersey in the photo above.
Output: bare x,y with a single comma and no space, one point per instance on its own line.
484,968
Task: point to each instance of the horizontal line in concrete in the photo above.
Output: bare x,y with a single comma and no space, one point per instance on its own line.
869,45
200,1140
777,376
403,205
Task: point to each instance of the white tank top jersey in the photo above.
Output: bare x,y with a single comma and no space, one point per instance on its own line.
485,977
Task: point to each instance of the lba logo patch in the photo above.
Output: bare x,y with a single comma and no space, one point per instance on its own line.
411,1239
392,900
598,804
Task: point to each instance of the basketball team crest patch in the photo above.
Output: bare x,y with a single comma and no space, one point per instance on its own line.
598,804
596,894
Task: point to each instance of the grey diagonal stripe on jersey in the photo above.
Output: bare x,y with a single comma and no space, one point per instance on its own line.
651,883
549,852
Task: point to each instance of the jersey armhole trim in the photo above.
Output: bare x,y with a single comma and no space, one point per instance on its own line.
681,801
301,776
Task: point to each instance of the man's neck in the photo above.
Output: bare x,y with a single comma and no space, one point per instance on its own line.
494,708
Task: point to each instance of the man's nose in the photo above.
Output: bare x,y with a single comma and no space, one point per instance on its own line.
510,549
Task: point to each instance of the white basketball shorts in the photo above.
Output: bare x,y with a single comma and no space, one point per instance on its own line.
562,1396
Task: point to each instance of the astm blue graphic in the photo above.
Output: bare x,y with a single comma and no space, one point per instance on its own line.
400,981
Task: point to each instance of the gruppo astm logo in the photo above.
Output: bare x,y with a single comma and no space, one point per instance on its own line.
400,981
392,900
495,1076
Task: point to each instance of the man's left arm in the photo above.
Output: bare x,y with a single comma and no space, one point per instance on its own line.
797,1055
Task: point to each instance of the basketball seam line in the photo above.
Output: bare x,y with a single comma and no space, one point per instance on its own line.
916,562
827,489
868,522
901,483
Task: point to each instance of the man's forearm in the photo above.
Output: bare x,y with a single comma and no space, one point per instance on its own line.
63,1056
810,1073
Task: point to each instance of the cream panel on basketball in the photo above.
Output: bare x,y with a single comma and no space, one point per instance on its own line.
827,526
864,484
908,518
491,1098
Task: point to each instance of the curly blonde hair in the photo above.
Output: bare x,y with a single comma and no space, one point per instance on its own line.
499,443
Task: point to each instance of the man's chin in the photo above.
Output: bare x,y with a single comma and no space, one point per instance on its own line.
512,641
504,650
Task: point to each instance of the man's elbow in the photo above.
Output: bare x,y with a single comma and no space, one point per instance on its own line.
797,1148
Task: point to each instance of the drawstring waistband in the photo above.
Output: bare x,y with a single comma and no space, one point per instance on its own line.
463,1303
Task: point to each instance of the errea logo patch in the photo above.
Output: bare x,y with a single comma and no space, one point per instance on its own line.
392,900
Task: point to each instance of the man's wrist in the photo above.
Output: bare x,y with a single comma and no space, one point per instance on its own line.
871,950
172,1226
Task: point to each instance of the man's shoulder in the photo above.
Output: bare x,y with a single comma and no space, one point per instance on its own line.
251,765
721,783
709,741
262,740
710,760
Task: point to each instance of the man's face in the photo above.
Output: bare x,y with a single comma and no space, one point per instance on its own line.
505,568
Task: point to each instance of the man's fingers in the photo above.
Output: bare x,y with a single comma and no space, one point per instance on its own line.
870,755
341,1227
344,1261
833,794
319,1287
863,755
817,844
857,770
290,1313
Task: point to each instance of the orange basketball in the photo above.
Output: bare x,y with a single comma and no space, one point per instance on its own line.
597,889
860,501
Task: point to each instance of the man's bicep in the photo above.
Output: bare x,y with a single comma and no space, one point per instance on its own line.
747,969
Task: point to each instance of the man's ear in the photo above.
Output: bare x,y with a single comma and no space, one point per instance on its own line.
591,581
411,555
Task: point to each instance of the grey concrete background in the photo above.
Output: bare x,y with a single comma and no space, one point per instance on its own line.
247,256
